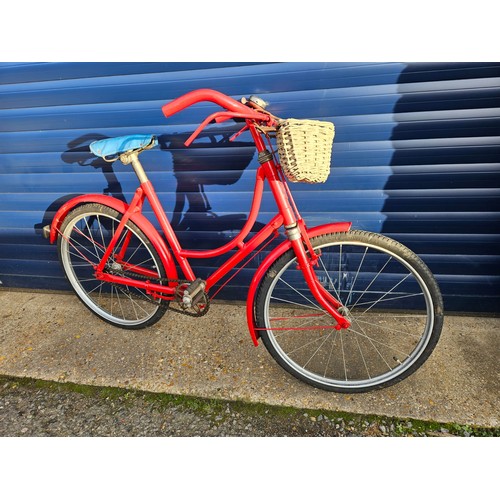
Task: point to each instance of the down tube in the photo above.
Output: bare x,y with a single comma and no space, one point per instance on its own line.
275,223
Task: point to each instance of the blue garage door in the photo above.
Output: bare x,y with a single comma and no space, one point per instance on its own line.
416,157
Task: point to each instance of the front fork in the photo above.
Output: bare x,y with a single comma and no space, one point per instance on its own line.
307,259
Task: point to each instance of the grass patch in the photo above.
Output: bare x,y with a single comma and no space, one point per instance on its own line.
216,409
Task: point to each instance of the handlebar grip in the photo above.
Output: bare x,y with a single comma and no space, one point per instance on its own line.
200,95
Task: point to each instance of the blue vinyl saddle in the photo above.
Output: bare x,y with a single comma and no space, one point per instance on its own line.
115,146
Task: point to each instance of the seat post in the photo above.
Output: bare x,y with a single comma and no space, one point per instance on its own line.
133,158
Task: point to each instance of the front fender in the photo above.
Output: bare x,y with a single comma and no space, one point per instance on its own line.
120,206
335,227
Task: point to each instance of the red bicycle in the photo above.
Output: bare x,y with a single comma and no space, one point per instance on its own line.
343,310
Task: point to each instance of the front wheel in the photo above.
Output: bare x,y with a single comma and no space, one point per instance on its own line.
387,293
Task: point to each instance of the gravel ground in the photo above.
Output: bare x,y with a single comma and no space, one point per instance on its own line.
35,408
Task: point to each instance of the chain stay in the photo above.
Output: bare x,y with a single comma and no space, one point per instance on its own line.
163,304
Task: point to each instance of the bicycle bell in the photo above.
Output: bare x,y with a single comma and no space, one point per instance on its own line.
258,101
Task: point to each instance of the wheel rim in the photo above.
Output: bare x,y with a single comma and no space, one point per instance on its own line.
83,243
387,302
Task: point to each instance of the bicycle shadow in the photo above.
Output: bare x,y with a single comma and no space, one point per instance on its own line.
78,152
212,160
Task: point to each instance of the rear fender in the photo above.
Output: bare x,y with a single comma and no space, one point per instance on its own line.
335,227
120,206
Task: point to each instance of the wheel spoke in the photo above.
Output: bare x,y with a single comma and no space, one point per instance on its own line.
372,281
377,325
385,294
332,284
362,356
120,302
301,294
316,351
100,230
316,308
356,277
79,254
90,236
343,356
400,296
327,364
372,342
304,345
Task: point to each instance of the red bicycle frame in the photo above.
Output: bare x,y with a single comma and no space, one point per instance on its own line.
288,216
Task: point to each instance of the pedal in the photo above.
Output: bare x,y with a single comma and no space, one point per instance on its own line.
194,292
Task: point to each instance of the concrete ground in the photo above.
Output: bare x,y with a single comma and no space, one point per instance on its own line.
52,336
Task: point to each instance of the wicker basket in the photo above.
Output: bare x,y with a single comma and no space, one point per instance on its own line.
305,149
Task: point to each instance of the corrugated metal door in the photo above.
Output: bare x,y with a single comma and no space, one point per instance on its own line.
416,156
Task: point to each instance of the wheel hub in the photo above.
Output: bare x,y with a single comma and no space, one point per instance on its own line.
116,267
344,311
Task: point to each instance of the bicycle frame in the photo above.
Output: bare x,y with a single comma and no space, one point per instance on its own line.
288,216
146,191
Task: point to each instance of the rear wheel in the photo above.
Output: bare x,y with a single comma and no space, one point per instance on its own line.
388,294
85,234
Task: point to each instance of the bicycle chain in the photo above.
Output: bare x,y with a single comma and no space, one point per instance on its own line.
162,304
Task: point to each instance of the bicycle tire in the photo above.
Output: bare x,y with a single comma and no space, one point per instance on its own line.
387,292
85,233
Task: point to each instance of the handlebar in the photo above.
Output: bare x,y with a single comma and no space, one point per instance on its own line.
200,95
234,109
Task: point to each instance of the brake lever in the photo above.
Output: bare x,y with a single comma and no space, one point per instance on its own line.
202,125
222,116
237,134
